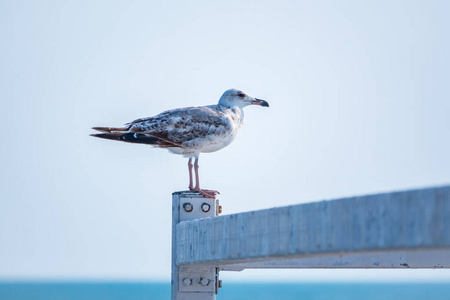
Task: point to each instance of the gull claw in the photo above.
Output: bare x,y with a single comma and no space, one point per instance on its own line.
208,193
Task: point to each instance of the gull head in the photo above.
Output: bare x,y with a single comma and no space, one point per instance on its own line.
234,97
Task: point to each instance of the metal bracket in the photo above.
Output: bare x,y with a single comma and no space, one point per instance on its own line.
197,280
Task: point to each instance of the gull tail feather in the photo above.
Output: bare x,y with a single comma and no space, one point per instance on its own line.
129,137
111,129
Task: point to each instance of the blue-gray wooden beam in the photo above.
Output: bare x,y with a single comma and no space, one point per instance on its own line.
390,230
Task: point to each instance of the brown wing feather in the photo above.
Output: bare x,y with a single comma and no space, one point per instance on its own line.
181,125
136,138
111,129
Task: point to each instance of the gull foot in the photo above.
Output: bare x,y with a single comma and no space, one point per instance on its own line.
208,193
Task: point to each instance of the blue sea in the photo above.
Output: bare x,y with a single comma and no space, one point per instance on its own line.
234,291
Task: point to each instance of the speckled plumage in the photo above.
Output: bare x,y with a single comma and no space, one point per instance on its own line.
193,129
188,131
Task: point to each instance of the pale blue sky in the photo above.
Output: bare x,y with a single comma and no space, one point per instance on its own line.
360,103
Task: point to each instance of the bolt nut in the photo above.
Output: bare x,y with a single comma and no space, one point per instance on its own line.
187,281
188,207
220,283
206,207
204,281
220,209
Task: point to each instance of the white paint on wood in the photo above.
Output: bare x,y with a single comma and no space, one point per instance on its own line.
397,259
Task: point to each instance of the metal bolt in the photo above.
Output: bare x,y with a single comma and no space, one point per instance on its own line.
204,281
188,207
187,281
206,207
220,283
220,209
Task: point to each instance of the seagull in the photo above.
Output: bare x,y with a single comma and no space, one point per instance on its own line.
189,131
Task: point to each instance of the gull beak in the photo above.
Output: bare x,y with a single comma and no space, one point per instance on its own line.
260,102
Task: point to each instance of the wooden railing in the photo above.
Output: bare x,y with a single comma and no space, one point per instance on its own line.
409,229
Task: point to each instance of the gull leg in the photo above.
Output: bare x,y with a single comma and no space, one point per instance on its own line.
197,179
190,165
206,193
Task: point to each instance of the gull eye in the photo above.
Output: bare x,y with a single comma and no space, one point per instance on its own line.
242,95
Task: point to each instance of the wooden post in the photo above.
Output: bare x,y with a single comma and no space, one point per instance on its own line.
189,283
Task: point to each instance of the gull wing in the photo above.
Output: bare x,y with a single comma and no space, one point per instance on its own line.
184,124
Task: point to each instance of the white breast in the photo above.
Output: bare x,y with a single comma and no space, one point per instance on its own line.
217,139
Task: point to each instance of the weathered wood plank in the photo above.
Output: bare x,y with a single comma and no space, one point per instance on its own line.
372,229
